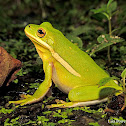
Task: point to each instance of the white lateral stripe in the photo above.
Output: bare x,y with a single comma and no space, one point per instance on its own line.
65,64
87,103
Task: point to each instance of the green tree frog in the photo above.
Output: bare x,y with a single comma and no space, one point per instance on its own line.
73,71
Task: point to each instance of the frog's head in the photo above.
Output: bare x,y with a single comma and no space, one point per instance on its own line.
48,39
43,35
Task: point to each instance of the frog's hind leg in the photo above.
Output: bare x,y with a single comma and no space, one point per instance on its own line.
86,95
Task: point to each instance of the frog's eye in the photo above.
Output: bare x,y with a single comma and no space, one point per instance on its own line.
41,32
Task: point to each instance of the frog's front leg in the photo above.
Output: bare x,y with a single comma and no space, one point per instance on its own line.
42,90
86,95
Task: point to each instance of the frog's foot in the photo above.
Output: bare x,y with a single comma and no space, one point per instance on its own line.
59,101
28,100
25,96
63,104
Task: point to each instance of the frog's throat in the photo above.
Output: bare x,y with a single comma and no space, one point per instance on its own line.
55,55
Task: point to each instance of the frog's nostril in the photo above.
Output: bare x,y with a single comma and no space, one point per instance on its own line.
29,26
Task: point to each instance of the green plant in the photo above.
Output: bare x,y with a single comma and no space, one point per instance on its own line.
12,122
42,120
123,75
63,121
61,114
94,124
90,111
108,10
5,111
105,41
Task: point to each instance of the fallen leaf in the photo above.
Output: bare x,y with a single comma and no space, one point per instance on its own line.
9,66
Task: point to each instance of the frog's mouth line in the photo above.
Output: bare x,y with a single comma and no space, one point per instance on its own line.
37,40
54,54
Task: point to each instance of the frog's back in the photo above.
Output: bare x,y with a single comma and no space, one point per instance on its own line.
79,60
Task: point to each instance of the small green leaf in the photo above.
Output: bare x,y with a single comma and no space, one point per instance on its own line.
123,73
105,80
94,124
100,39
104,13
112,7
105,41
5,111
114,30
15,81
47,112
100,10
109,2
34,85
123,30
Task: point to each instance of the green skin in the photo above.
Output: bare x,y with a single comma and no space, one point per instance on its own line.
72,70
